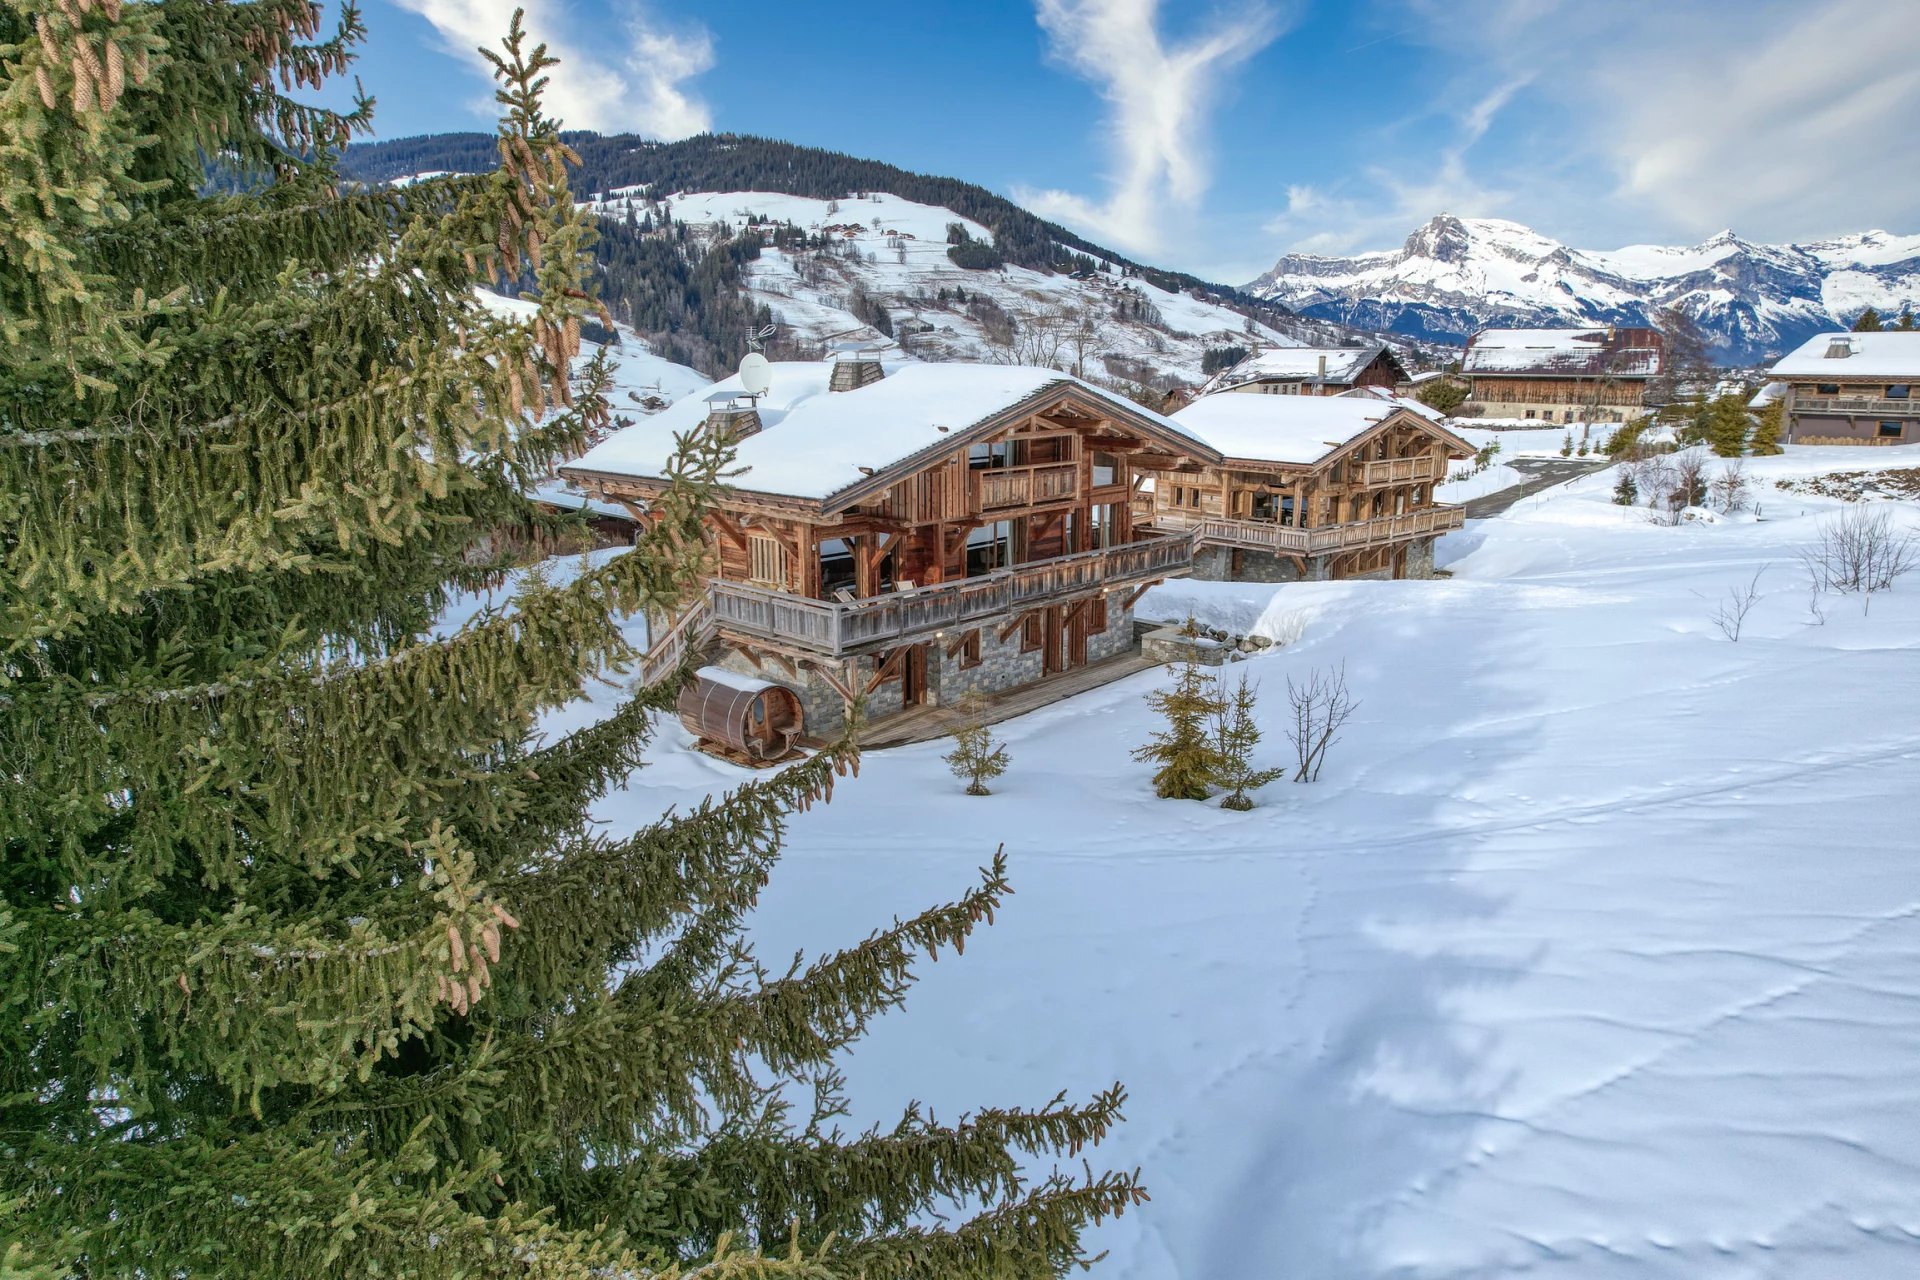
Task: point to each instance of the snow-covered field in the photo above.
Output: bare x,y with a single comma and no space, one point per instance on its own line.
1592,954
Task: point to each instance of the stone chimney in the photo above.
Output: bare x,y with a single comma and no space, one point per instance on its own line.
1323,366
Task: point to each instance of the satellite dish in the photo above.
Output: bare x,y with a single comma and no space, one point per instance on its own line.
756,375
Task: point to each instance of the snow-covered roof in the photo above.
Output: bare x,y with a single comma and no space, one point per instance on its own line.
1627,353
1891,353
1293,429
1296,364
1767,395
1421,379
815,443
733,679
1386,395
554,493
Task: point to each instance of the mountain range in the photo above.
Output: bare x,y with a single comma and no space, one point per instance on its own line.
1455,275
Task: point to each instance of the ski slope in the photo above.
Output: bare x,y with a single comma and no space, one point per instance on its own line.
1592,956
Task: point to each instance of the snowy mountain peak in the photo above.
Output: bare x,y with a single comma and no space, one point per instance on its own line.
1455,275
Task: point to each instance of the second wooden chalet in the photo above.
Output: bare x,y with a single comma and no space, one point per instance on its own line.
1311,487
904,535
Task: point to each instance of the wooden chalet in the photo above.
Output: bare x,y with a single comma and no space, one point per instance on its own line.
1311,488
907,535
1312,371
1851,388
1564,375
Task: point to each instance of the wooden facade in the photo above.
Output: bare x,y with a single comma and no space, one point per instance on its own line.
981,568
1365,508
1564,376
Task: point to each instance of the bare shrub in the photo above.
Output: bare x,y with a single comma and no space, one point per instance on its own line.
1320,707
1730,612
1729,490
1860,550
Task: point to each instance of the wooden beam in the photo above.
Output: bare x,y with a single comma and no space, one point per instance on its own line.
838,685
1139,591
730,527
1018,620
953,650
887,669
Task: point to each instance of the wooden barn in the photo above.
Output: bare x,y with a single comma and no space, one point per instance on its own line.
905,535
1312,371
1311,488
1564,375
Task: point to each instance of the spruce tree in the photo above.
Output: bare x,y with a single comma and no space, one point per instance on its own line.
1869,322
311,963
1727,425
1905,323
1766,431
1186,750
976,758
1238,733
1626,491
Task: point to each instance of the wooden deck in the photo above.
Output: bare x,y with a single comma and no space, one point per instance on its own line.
922,724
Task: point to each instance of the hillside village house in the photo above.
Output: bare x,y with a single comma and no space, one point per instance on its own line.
1850,388
1312,371
908,534
1311,488
1564,375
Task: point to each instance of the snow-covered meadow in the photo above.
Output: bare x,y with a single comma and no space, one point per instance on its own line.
1591,955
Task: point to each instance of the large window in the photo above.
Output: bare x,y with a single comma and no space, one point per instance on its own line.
1106,469
836,567
987,455
990,547
1102,525
1890,431
1827,388
1899,391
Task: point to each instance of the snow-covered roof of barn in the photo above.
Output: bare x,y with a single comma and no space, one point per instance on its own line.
815,443
1891,353
1630,353
1294,429
1290,364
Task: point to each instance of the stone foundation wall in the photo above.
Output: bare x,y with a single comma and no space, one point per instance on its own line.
1217,564
1002,666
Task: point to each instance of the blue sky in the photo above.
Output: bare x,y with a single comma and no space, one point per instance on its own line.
1214,137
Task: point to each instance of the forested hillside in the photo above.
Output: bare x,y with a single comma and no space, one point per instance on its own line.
739,162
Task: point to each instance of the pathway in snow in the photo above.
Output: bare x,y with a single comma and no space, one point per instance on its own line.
1592,956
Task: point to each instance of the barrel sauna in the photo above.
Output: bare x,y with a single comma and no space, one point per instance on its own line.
738,716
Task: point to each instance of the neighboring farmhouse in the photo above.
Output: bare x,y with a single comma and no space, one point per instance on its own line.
905,534
1312,371
1340,487
1850,388
1564,375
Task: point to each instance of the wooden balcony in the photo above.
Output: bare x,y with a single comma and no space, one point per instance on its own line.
836,629
1877,406
1418,470
1262,535
1000,488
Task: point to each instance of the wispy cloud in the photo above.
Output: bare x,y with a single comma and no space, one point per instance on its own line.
1159,94
1382,203
637,83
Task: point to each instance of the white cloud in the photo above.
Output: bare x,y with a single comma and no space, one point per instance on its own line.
638,88
1158,94
1805,127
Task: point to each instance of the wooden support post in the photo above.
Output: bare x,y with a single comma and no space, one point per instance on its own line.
887,669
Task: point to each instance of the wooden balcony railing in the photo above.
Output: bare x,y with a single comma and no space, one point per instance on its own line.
1263,535
835,629
1856,404
997,488
1403,470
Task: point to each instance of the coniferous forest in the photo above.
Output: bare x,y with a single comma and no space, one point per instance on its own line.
311,962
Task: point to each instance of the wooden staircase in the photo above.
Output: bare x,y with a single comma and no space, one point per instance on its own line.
692,629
